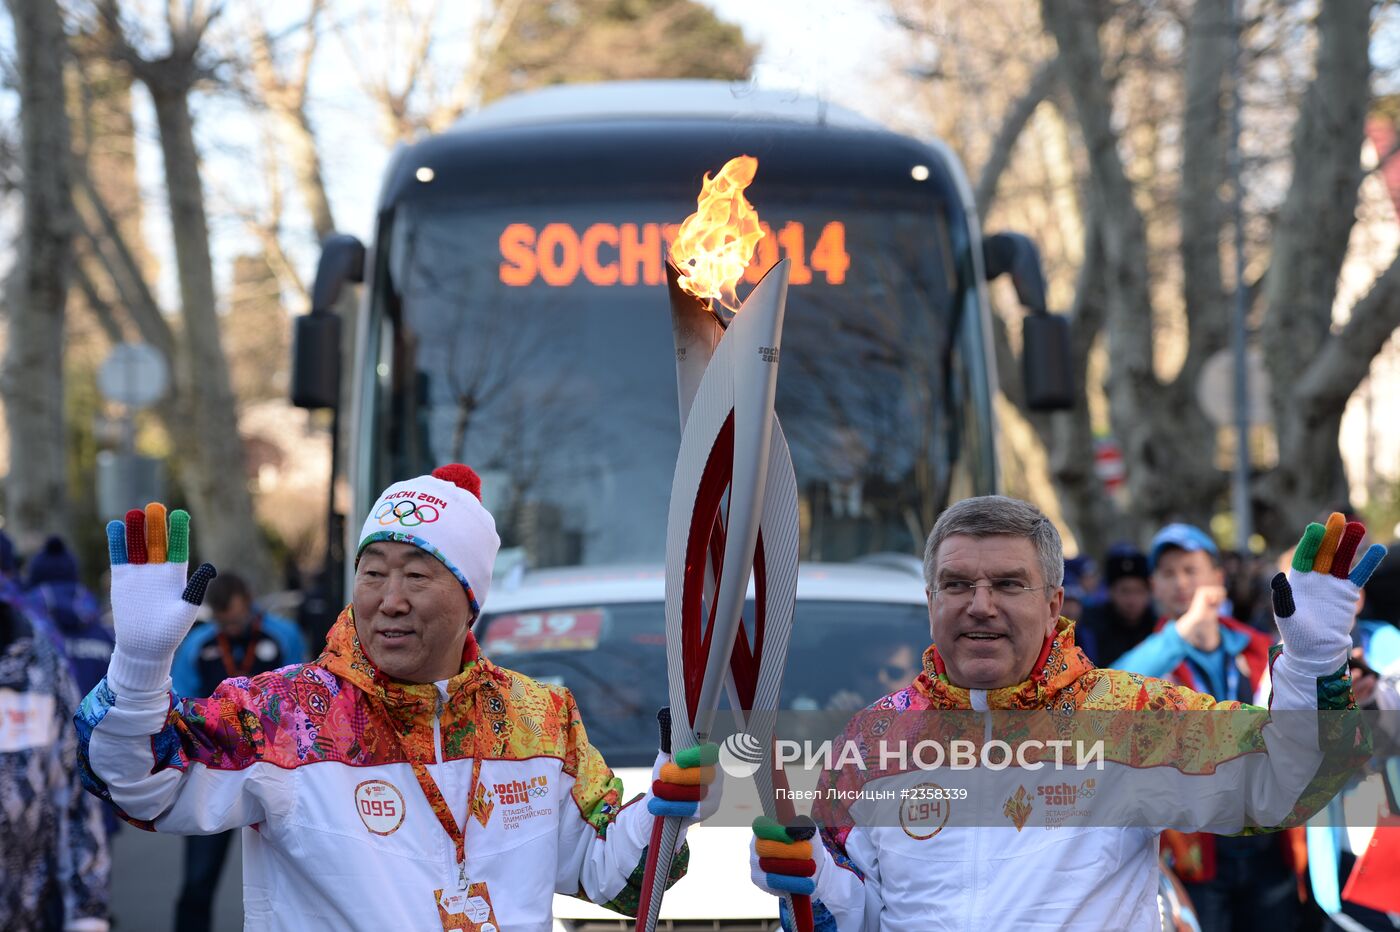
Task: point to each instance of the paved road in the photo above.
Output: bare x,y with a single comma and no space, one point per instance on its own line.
146,881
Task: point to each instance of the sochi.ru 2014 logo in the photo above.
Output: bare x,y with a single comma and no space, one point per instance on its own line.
380,805
741,755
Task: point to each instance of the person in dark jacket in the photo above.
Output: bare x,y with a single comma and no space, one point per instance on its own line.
9,569
52,589
1127,616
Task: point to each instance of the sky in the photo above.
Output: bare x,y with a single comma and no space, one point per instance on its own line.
840,50
834,49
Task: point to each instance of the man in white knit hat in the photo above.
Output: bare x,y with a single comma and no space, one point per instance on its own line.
452,791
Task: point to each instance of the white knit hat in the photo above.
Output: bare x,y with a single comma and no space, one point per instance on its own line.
441,514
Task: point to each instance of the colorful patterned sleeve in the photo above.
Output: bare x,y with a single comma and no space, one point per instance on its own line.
134,752
612,866
1343,736
1231,768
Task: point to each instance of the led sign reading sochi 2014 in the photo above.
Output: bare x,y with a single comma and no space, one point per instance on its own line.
633,253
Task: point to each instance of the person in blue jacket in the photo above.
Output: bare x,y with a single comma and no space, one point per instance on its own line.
1195,643
241,640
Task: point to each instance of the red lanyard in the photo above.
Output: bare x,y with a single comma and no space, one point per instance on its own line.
249,654
458,833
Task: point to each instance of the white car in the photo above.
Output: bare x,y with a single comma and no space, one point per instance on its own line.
859,631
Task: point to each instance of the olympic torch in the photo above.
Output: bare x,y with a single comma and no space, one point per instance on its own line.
731,444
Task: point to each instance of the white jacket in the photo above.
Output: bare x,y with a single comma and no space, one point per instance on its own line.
315,762
1025,849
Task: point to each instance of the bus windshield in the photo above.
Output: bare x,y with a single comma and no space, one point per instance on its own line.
535,344
611,656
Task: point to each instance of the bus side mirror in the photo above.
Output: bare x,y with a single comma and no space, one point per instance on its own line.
342,260
1046,362
316,336
1046,372
316,360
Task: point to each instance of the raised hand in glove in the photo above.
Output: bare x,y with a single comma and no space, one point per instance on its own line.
786,859
1315,602
153,604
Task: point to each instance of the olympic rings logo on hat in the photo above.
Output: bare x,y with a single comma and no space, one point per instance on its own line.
407,513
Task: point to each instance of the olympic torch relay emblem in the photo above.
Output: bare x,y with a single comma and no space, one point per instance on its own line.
727,356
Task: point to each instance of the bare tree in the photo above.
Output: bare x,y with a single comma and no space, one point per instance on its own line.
281,82
38,287
413,93
1162,482
1315,371
203,418
1139,209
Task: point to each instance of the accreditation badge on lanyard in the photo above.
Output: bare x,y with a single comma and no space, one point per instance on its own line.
466,911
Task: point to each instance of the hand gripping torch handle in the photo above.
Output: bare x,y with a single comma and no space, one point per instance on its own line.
661,850
801,903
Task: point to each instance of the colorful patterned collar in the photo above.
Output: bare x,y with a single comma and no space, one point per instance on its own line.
345,658
1060,663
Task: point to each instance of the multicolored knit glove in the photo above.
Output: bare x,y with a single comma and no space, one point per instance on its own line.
687,785
786,859
1315,602
153,605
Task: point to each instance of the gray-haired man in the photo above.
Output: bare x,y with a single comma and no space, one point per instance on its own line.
1017,854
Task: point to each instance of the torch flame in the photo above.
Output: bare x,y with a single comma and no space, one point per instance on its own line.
716,243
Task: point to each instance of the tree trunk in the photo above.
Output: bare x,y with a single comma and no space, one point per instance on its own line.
1209,47
36,488
1096,517
296,133
214,480
1172,475
1310,243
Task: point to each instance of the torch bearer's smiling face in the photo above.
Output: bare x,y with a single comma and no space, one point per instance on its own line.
411,613
989,635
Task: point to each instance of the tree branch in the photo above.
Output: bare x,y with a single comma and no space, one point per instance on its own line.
302,72
1209,45
118,47
1013,124
420,51
124,272
1345,358
101,309
1314,225
1132,382
468,88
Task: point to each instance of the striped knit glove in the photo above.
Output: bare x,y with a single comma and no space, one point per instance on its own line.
153,605
687,786
1315,603
786,860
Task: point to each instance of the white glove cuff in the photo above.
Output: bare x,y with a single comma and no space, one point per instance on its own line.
133,675
1310,669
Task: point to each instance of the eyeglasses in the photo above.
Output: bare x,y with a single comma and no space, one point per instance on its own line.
1001,590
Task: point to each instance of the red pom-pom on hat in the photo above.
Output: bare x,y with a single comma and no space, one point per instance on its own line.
462,476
